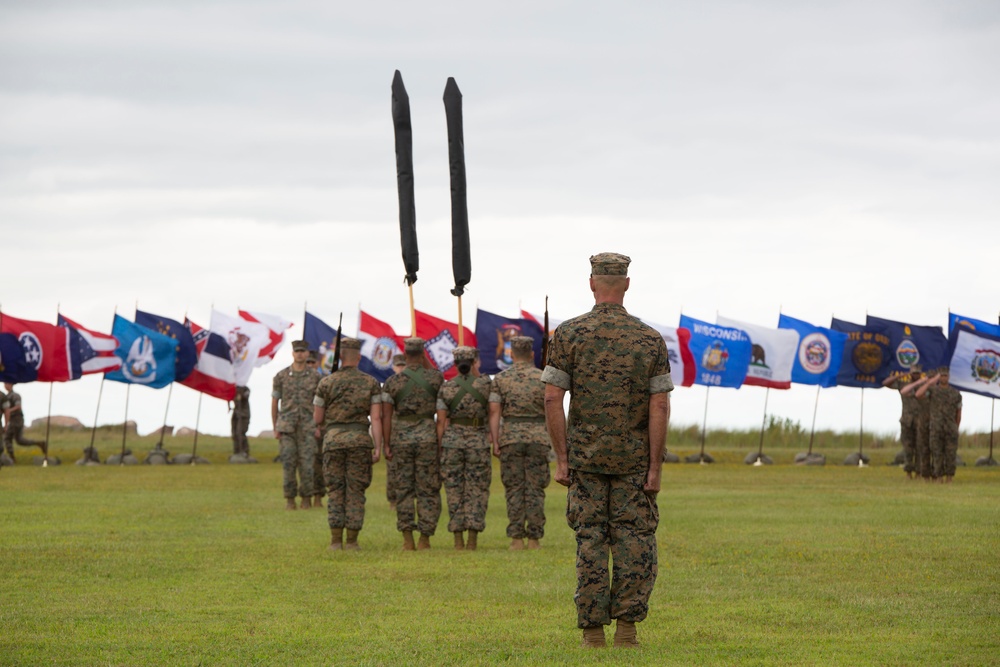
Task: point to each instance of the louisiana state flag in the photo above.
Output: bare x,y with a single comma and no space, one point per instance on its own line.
148,357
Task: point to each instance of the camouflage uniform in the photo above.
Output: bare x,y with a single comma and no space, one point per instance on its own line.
908,424
945,402
14,432
611,363
319,478
414,447
241,421
524,448
922,453
295,391
466,465
346,398
390,465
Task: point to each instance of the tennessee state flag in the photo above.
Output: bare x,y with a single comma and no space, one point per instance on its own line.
440,338
46,347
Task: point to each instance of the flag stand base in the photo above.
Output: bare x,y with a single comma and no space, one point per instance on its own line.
986,461
810,459
46,461
189,459
699,458
756,459
857,459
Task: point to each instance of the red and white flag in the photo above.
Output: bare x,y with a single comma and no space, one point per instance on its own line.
682,366
90,351
46,347
277,326
214,374
246,340
379,343
772,355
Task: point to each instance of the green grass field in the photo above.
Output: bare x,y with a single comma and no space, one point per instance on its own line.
771,565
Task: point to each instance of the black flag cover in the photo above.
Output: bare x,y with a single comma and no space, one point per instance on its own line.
461,260
404,178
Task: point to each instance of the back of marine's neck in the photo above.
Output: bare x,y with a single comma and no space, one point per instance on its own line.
616,299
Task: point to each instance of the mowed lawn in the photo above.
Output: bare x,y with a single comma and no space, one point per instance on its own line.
772,565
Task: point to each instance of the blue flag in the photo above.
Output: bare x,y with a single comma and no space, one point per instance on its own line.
911,345
187,353
972,324
13,366
721,354
323,338
493,335
819,354
866,355
148,358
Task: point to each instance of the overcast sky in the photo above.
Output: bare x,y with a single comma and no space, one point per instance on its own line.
816,159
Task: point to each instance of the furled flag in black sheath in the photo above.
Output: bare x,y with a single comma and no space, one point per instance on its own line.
461,259
404,178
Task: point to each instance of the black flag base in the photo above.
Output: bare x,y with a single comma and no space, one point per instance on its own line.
986,461
5,460
810,459
857,459
757,459
242,457
118,459
46,461
90,457
189,459
900,459
699,458
158,457
670,457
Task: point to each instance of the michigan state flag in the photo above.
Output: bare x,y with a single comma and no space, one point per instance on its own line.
866,355
912,345
819,352
721,354
493,336
148,357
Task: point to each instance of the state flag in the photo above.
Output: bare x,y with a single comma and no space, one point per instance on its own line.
440,338
13,367
89,351
772,354
379,344
911,344
721,354
972,324
322,338
45,347
819,352
246,340
214,373
493,335
187,355
975,361
678,340
866,355
277,327
148,358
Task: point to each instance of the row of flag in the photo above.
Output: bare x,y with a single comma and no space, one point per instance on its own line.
156,351
153,351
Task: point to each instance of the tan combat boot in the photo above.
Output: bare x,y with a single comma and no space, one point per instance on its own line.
307,503
352,540
318,500
459,542
517,544
625,635
471,543
408,541
533,543
424,543
594,638
290,504
336,539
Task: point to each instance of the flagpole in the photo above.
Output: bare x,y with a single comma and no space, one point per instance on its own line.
48,426
93,431
760,447
461,329
128,390
197,424
812,431
704,421
413,313
170,392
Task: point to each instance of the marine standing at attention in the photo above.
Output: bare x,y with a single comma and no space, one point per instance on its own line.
464,438
344,403
610,451
518,396
398,366
292,396
411,442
